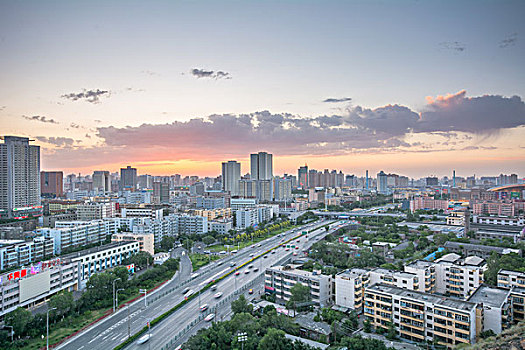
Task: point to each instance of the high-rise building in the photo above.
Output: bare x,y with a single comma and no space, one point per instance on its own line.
101,181
282,189
51,184
231,174
128,178
302,176
261,166
161,191
19,178
382,183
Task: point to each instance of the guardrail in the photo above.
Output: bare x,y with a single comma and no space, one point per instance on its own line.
203,289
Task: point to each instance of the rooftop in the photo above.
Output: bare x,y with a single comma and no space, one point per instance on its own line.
489,296
352,273
420,264
511,273
95,250
453,303
294,271
394,273
480,247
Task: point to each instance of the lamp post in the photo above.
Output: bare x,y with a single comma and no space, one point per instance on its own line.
115,280
47,327
145,292
116,297
241,338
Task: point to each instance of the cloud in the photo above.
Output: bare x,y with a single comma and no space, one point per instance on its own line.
509,41
2,108
359,129
477,115
75,126
453,45
202,73
337,100
57,141
40,118
92,96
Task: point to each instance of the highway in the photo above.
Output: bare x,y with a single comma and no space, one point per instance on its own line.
162,334
113,330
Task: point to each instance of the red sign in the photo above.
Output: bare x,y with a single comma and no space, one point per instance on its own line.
17,275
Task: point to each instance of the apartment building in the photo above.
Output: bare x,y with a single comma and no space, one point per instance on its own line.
399,279
152,213
280,279
510,279
28,287
517,298
220,226
146,241
492,220
350,287
98,259
95,211
213,214
15,253
459,277
497,307
188,224
422,317
459,218
493,208
426,273
72,234
428,203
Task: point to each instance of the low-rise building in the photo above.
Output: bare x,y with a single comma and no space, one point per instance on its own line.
349,288
146,241
220,226
280,279
459,277
496,306
95,211
17,253
510,279
422,317
482,251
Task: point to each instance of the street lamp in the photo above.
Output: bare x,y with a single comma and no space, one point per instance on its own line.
115,280
116,297
47,327
145,292
149,331
241,338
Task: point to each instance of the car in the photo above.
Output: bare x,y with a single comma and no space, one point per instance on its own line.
222,252
296,247
209,317
232,264
204,307
234,251
251,255
266,256
258,245
217,295
273,252
237,273
250,266
246,272
287,249
256,269
220,263
214,288
144,339
294,253
185,291
250,291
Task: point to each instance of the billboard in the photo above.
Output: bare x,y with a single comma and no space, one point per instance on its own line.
35,285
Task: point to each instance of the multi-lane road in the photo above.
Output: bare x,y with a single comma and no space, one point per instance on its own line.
114,330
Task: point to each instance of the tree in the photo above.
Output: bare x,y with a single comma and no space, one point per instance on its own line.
300,294
172,264
274,340
367,326
63,302
141,259
167,243
391,333
18,319
208,240
241,305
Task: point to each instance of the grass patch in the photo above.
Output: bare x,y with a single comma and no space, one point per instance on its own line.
244,244
200,260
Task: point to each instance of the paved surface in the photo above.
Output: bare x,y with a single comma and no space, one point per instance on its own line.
113,330
395,344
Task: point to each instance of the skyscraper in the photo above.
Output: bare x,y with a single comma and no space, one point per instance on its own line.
128,178
19,178
101,181
302,176
261,166
231,174
382,183
51,183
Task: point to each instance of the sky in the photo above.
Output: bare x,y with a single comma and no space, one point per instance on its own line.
412,87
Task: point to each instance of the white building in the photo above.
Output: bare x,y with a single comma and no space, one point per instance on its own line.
222,227
246,217
95,211
350,287
231,174
280,279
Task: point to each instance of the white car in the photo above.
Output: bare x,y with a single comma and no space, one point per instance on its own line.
217,295
204,307
209,317
144,339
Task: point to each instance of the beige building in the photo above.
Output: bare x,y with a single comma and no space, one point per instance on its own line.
213,214
146,240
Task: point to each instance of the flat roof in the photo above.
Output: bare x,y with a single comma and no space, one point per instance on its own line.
486,248
394,273
489,296
450,257
352,273
420,264
295,271
452,303
95,249
510,272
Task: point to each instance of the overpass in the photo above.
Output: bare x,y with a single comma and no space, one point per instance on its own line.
337,214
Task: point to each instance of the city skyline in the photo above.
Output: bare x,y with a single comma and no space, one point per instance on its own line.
177,88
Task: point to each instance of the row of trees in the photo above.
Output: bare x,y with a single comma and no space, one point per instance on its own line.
97,295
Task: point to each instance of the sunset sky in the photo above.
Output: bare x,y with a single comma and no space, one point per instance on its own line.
411,87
